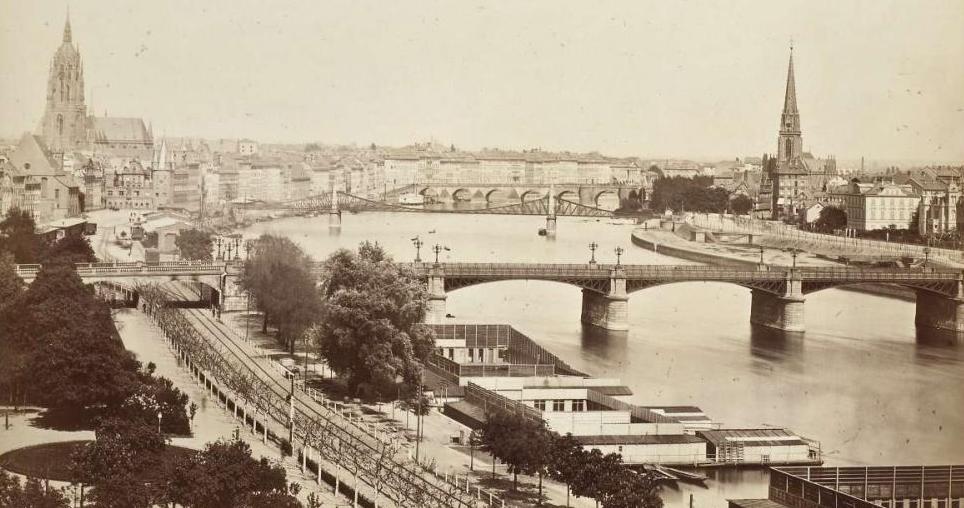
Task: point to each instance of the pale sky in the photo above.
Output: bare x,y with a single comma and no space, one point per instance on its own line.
884,79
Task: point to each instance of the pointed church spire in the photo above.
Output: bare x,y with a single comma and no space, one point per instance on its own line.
67,35
790,101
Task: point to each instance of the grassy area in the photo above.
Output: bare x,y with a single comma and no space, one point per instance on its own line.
53,460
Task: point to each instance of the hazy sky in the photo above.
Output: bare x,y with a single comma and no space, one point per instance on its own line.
878,78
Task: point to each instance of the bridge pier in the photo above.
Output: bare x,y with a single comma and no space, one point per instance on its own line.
233,296
607,311
436,296
782,312
334,213
940,312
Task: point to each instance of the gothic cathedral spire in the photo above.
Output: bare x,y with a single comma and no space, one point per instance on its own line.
791,142
68,38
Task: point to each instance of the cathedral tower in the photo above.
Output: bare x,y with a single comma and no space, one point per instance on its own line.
64,125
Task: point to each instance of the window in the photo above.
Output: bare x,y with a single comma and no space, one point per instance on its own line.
471,355
620,448
578,405
451,353
60,125
558,405
540,405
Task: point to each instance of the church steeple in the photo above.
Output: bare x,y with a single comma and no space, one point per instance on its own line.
790,144
790,100
68,38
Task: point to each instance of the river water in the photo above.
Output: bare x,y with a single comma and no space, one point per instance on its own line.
860,380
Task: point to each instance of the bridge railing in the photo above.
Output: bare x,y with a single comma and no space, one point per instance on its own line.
168,267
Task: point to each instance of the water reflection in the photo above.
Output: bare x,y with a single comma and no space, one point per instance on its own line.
939,338
604,344
775,345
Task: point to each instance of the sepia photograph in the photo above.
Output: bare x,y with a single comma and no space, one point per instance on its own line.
482,254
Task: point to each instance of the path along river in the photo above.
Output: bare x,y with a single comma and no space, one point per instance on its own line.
860,380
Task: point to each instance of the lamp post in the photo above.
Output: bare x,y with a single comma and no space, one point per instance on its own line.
219,248
619,252
927,251
159,415
437,249
761,254
418,243
592,248
793,253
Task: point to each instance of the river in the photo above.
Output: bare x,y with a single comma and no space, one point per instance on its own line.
860,381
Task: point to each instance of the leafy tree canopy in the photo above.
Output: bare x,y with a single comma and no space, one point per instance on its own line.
69,250
831,219
278,275
371,330
17,236
741,204
194,244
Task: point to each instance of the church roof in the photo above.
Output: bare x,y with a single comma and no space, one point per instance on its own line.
114,129
33,151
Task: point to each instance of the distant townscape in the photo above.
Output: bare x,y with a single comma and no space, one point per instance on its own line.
77,162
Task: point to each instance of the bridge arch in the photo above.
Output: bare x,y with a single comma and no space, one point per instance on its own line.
462,194
606,199
496,196
568,196
531,195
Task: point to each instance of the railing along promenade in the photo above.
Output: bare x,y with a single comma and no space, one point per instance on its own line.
844,245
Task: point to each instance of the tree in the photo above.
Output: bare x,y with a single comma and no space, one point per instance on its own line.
225,474
522,442
831,219
11,285
278,274
629,489
72,355
30,494
566,460
741,204
194,245
156,394
70,249
116,463
688,194
18,236
371,331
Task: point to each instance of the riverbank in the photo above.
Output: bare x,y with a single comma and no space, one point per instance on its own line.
669,243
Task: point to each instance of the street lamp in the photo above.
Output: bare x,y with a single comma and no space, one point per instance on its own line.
592,248
927,251
793,253
437,249
761,255
619,252
306,359
418,243
159,415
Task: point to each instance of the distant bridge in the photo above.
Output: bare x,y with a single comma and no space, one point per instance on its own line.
778,292
352,203
588,194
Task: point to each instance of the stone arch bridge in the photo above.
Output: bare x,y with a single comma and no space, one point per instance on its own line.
778,293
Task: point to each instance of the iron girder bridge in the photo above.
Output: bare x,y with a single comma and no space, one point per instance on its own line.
771,279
